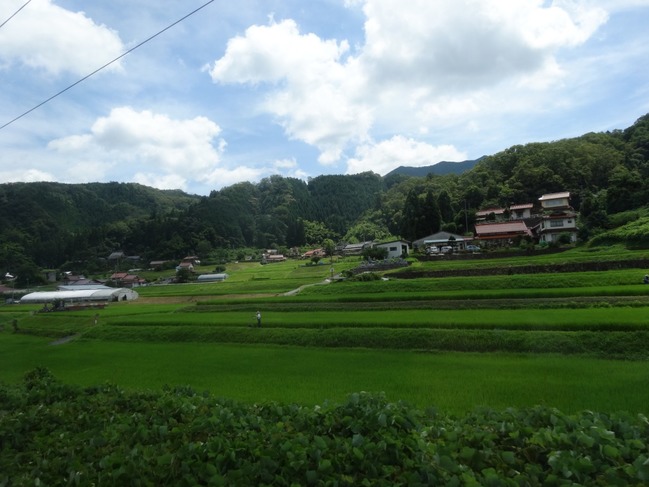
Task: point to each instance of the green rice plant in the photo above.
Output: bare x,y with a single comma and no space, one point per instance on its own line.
451,382
614,344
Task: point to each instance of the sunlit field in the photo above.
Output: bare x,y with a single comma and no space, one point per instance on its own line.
570,340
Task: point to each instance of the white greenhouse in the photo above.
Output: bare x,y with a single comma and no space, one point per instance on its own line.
104,295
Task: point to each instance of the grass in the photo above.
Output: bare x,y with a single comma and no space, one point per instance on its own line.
453,382
397,336
618,318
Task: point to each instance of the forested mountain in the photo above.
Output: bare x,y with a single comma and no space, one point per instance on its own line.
439,169
53,225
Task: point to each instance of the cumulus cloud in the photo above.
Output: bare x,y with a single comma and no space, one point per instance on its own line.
33,38
221,176
317,99
288,168
421,63
25,175
160,151
398,151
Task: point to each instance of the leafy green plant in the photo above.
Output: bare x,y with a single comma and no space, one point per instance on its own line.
53,433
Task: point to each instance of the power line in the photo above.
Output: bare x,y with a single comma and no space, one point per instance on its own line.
105,65
14,14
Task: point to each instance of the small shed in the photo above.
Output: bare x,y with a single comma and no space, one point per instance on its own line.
395,248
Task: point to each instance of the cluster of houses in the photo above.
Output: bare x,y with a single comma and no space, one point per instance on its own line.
547,221
550,219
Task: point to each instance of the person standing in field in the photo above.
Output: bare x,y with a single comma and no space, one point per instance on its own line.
258,319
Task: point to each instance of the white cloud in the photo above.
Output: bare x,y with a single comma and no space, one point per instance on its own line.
161,181
25,175
422,63
46,36
156,149
221,177
289,168
317,94
398,151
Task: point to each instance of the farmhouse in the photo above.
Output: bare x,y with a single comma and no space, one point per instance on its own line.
157,264
502,233
441,239
490,214
185,265
395,248
356,248
313,253
124,279
520,212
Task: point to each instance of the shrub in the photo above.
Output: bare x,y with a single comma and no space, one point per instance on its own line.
54,434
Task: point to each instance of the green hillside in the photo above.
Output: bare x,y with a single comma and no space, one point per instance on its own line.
48,225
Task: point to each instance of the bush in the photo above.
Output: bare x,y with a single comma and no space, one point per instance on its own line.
54,434
366,277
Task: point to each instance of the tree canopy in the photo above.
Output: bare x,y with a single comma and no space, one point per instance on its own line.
49,225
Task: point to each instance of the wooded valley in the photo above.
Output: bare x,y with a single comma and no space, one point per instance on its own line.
76,226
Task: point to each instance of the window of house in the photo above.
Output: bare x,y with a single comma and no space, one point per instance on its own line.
393,249
556,223
554,203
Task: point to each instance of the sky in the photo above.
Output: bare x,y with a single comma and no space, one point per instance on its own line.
239,91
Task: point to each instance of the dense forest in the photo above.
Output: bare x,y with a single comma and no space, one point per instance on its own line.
76,226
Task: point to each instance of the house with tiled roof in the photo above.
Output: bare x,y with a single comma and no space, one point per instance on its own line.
313,253
125,279
501,233
521,212
492,214
441,239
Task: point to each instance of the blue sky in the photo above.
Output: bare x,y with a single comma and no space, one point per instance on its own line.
243,90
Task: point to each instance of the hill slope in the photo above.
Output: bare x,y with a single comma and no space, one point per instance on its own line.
440,169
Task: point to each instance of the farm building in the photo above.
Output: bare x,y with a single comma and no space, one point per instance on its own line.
212,277
396,248
441,239
104,295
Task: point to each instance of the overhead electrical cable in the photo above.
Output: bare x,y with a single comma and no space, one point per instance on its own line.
105,65
14,14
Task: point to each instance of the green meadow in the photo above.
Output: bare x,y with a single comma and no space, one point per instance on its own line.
573,341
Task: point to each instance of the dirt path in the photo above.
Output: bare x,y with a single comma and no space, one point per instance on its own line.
63,340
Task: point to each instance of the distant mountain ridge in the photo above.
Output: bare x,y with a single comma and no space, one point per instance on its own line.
440,169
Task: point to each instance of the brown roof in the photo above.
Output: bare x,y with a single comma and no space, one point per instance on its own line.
487,211
505,229
521,207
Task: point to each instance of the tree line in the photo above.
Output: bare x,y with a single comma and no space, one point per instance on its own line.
52,225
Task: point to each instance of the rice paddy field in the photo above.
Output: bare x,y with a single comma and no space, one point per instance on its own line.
573,340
